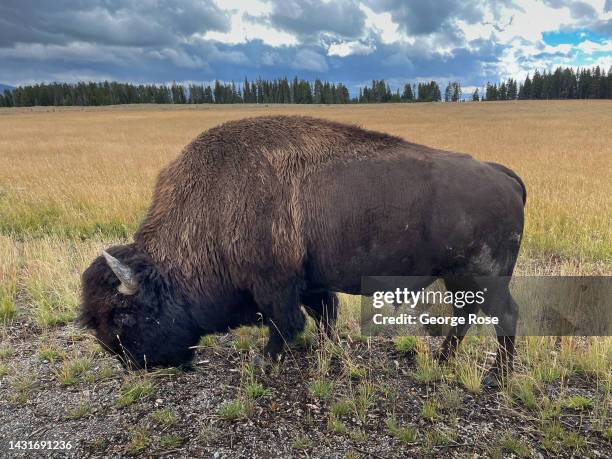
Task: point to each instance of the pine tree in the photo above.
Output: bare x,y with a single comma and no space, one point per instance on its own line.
525,92
511,91
536,86
318,91
457,93
448,92
502,91
407,95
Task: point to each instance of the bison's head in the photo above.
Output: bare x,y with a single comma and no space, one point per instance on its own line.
134,312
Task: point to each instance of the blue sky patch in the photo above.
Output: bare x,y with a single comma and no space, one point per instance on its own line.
571,37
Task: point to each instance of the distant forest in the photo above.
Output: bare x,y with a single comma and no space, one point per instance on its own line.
562,83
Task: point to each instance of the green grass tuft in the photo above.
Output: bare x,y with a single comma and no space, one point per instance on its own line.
342,407
78,411
134,390
438,437
321,388
208,341
171,441
165,417
405,344
429,410
356,372
302,443
6,351
23,385
513,445
403,434
232,410
256,390
8,308
557,439
336,425
50,353
524,391
428,370
71,370
578,402
140,439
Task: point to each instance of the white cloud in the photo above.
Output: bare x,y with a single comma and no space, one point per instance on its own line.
348,48
382,25
245,26
591,47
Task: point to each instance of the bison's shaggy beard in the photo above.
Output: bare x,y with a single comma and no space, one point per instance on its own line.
152,327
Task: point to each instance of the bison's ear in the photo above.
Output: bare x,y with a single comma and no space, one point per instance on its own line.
129,285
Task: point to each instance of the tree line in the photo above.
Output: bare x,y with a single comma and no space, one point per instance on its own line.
278,91
562,83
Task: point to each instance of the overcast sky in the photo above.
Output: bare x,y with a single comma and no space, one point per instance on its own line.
340,40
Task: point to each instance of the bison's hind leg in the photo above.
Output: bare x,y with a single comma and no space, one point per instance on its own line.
499,303
323,308
506,310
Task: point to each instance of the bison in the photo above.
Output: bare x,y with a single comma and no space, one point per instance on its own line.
258,216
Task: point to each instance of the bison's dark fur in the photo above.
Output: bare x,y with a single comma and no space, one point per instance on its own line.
259,215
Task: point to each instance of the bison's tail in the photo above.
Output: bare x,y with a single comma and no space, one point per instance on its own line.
513,175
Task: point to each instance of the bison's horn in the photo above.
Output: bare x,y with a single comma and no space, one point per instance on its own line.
129,285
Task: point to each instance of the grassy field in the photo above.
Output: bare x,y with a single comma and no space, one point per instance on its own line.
73,181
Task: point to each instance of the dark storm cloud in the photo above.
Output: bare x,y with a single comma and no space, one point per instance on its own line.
419,17
578,9
112,22
603,27
581,10
309,18
163,40
393,62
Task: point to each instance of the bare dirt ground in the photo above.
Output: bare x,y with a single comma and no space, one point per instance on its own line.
289,420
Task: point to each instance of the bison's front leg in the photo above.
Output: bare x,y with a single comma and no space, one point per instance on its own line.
284,317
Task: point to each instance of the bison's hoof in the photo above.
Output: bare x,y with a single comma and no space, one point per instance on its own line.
492,379
273,352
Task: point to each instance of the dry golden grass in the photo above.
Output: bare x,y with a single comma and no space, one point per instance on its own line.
73,180
9,266
82,171
51,277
